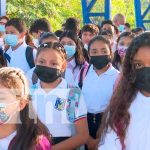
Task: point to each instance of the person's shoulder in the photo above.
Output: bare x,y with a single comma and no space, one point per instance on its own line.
114,70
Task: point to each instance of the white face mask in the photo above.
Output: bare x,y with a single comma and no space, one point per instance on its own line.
35,42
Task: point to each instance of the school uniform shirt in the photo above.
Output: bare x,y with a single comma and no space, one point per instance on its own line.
97,90
18,57
71,65
68,76
52,108
4,143
138,135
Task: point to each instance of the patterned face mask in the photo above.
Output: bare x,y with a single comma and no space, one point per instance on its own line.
4,117
122,51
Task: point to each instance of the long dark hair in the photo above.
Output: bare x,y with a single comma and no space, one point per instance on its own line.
117,58
117,115
79,58
28,131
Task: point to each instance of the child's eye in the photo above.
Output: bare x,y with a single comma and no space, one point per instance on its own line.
70,44
54,64
94,52
138,66
104,52
41,62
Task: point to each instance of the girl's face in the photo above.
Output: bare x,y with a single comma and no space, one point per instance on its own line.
123,45
99,48
9,106
67,41
142,58
124,41
51,58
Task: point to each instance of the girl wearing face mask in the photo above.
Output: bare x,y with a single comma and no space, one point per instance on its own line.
98,85
126,122
49,37
20,128
20,55
75,58
61,109
123,43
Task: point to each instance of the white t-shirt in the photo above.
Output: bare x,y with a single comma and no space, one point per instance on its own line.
97,90
138,133
18,57
52,107
4,143
68,76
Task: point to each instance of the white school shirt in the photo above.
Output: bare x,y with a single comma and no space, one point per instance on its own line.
68,76
4,143
18,57
71,65
138,132
55,116
97,90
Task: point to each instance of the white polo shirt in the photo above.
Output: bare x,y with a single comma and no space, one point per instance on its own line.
52,107
138,133
97,90
68,76
18,57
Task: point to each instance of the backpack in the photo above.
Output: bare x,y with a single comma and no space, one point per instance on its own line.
81,76
72,101
29,56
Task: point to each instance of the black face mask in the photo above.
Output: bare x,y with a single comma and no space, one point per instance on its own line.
142,80
100,62
47,74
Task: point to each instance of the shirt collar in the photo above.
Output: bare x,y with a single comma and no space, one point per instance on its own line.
110,71
62,84
72,62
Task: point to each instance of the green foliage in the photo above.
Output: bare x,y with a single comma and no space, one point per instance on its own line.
56,11
125,7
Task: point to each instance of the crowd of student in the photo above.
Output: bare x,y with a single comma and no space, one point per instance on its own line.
74,88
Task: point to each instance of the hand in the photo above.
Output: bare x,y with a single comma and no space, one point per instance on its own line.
92,143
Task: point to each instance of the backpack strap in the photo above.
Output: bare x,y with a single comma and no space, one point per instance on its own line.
81,77
34,78
73,102
29,56
12,142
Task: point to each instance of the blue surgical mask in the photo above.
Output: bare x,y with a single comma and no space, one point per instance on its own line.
2,28
70,50
11,40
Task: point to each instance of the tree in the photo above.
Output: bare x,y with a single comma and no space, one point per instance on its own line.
57,11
